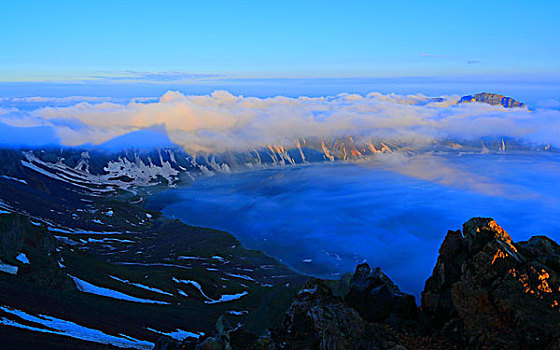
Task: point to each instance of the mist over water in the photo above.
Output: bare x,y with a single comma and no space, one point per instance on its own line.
323,219
392,211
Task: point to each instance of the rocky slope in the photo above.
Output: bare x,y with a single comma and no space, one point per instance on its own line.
136,171
108,172
486,292
80,269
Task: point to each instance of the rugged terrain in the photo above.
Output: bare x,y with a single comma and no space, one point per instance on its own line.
84,265
80,267
83,269
486,292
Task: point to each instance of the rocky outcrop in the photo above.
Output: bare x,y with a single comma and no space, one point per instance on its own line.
378,299
319,320
488,292
492,99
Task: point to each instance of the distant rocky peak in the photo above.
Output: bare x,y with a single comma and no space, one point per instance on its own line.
492,99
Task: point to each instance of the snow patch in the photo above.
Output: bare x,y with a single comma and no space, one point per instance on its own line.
79,232
179,334
154,264
86,287
190,258
152,289
238,313
109,240
22,258
245,277
14,179
227,297
194,284
12,270
71,329
308,290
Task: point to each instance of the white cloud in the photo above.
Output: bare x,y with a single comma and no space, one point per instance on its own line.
222,121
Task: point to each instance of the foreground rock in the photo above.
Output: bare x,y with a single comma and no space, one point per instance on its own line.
486,292
319,319
371,313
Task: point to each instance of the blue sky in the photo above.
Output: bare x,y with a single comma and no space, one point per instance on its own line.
163,41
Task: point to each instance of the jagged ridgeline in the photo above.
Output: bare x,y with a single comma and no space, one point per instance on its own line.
117,164
107,172
104,171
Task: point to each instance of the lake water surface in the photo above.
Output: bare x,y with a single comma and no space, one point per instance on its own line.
392,211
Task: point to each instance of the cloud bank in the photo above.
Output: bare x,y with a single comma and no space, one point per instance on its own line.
223,122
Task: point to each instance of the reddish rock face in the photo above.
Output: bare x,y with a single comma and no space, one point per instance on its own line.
488,292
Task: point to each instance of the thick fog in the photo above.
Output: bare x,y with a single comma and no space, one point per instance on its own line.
393,211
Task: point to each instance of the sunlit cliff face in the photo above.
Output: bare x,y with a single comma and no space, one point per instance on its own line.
535,281
223,122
